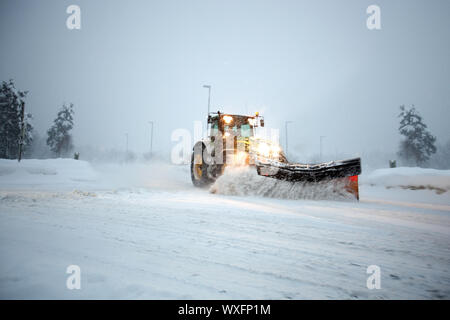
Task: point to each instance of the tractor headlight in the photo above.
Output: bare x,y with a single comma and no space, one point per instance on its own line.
268,150
227,119
264,149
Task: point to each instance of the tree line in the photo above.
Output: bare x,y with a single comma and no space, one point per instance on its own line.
16,129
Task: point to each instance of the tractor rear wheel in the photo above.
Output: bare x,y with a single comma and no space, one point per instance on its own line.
199,168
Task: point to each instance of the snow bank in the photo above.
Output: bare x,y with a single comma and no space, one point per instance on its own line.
409,178
31,172
245,181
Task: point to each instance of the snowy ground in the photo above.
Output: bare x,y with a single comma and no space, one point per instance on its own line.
143,231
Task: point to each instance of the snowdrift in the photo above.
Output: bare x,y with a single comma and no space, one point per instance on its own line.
244,181
70,174
409,178
42,172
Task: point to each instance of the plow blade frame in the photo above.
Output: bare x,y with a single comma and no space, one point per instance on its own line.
344,171
310,172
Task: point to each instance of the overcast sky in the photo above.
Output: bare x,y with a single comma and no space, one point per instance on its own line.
311,62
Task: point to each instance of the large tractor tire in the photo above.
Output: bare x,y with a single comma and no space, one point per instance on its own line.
199,167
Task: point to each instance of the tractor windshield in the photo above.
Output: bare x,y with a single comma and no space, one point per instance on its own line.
246,131
240,126
240,130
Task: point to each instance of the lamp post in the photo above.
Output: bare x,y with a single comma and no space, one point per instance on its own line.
151,138
321,138
286,133
207,86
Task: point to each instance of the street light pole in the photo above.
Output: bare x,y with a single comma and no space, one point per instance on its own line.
286,133
209,95
151,139
207,86
321,137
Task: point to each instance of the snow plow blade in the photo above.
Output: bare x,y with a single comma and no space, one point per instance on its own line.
345,171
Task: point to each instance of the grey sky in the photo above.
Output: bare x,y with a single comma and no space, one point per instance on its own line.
311,62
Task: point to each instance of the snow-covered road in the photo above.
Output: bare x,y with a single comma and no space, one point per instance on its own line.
142,231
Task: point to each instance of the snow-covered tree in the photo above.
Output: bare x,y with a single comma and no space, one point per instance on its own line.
441,159
59,138
418,143
11,128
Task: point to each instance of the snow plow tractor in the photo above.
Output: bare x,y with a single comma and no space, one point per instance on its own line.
233,141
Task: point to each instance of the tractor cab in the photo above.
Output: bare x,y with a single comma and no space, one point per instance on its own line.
233,125
230,135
